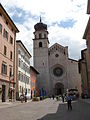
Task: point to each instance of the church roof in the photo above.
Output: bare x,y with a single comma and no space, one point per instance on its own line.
40,26
55,46
58,47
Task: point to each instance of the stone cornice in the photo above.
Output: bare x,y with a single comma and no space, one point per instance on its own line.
88,7
87,30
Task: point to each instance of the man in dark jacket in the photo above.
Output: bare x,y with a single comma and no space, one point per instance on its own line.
69,99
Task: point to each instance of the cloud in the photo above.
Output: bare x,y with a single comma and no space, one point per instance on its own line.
66,21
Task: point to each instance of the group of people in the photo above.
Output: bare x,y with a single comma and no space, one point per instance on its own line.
23,98
68,98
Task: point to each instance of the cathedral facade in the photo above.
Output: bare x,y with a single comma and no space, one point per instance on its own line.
58,73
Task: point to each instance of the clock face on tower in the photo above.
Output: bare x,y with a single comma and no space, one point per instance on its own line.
58,71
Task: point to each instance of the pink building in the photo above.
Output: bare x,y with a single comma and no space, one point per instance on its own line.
34,81
8,32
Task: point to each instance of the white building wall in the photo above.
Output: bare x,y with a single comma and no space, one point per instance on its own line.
23,82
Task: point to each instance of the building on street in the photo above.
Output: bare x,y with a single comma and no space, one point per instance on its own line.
23,82
58,73
83,71
88,7
8,32
34,81
87,37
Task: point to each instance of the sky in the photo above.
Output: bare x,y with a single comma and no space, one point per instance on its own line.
66,22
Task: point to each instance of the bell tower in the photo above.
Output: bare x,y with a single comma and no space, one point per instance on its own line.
40,55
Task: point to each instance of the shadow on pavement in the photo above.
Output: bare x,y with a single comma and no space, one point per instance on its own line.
77,112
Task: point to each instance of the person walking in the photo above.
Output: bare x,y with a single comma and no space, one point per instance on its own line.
62,97
69,99
22,97
53,96
25,98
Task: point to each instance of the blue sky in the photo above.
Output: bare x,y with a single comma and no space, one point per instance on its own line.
66,21
67,24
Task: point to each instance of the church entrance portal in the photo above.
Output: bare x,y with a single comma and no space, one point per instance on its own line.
59,88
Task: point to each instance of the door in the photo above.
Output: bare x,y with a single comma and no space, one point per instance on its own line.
58,91
3,93
59,88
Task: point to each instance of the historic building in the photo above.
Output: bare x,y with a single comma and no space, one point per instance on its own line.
23,82
87,37
88,7
58,73
83,71
8,32
34,81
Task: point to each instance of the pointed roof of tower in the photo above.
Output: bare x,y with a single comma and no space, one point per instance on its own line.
40,26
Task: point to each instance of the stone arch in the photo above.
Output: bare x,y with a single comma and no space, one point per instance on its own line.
59,88
40,44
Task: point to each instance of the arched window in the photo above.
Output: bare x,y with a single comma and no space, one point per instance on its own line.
40,35
40,44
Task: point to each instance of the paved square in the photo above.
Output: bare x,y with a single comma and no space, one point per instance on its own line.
48,109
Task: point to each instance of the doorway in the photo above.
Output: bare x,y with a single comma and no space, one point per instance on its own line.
3,93
59,88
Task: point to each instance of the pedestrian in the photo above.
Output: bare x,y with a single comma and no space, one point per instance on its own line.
50,96
53,97
62,98
22,97
69,99
25,98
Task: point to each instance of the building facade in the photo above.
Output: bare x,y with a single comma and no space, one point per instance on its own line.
83,71
8,32
23,82
74,77
55,68
87,37
34,81
88,7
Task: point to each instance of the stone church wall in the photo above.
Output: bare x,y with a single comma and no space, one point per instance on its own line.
54,62
74,78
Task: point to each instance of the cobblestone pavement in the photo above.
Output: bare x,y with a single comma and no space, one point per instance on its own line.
45,110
